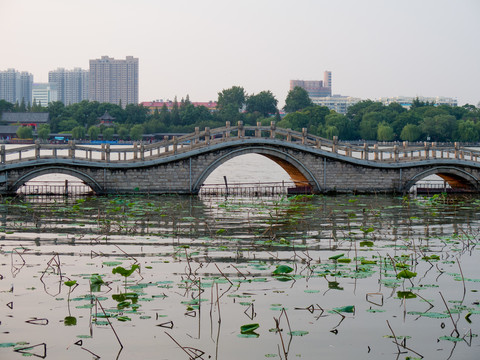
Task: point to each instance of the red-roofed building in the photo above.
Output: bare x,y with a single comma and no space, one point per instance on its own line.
157,105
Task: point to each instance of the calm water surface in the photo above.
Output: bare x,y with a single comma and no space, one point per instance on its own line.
322,277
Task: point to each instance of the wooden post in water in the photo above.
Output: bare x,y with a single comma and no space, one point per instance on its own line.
2,154
37,149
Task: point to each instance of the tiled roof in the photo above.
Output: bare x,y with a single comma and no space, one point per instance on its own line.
29,118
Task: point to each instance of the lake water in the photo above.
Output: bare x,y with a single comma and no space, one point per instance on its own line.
315,277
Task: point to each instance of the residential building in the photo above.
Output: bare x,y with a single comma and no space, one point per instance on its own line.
44,93
406,101
72,85
16,86
158,105
338,103
114,81
315,88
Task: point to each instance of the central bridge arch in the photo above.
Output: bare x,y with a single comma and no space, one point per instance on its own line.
455,177
88,180
298,172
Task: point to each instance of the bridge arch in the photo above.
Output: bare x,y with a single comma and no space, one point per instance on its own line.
455,177
295,169
88,180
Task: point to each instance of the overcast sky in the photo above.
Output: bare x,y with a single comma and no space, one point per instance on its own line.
374,48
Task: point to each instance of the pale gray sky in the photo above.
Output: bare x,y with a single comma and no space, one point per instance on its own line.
375,48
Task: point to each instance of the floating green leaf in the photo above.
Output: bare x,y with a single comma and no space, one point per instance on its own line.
249,328
336,257
282,269
406,274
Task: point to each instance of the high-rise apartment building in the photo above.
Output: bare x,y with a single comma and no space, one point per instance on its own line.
72,85
315,88
44,93
114,81
16,86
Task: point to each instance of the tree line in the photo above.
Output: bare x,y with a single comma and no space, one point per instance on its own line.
367,120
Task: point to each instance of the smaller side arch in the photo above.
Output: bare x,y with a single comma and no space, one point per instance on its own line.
88,180
455,177
281,158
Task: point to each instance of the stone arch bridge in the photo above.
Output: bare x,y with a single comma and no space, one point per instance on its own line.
181,164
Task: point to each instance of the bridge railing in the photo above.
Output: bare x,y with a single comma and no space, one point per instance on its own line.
208,137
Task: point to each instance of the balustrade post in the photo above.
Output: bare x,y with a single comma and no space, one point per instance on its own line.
304,135
71,150
102,149
207,136
395,152
289,136
227,132
375,152
334,144
175,144
37,149
142,151
457,147
405,145
135,151
258,131
241,130
426,149
318,143
197,135
434,150
107,152
272,129
365,151
2,154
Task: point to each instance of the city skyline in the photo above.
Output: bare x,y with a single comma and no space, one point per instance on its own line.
374,48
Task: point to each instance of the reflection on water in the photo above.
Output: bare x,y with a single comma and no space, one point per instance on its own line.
322,277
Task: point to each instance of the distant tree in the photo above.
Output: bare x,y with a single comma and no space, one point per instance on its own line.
439,128
330,131
123,133
78,132
93,132
175,113
231,98
468,131
264,103
385,132
25,132
411,132
369,125
108,133
5,106
136,132
297,99
43,131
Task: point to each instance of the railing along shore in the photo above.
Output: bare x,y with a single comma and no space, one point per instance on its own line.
140,152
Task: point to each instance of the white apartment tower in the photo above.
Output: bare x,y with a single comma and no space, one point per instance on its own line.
16,86
114,81
72,85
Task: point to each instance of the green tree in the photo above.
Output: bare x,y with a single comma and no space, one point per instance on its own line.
411,133
123,133
468,131
369,125
25,132
5,106
439,128
108,133
43,131
297,99
231,98
136,132
175,113
78,132
93,132
385,132
264,103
